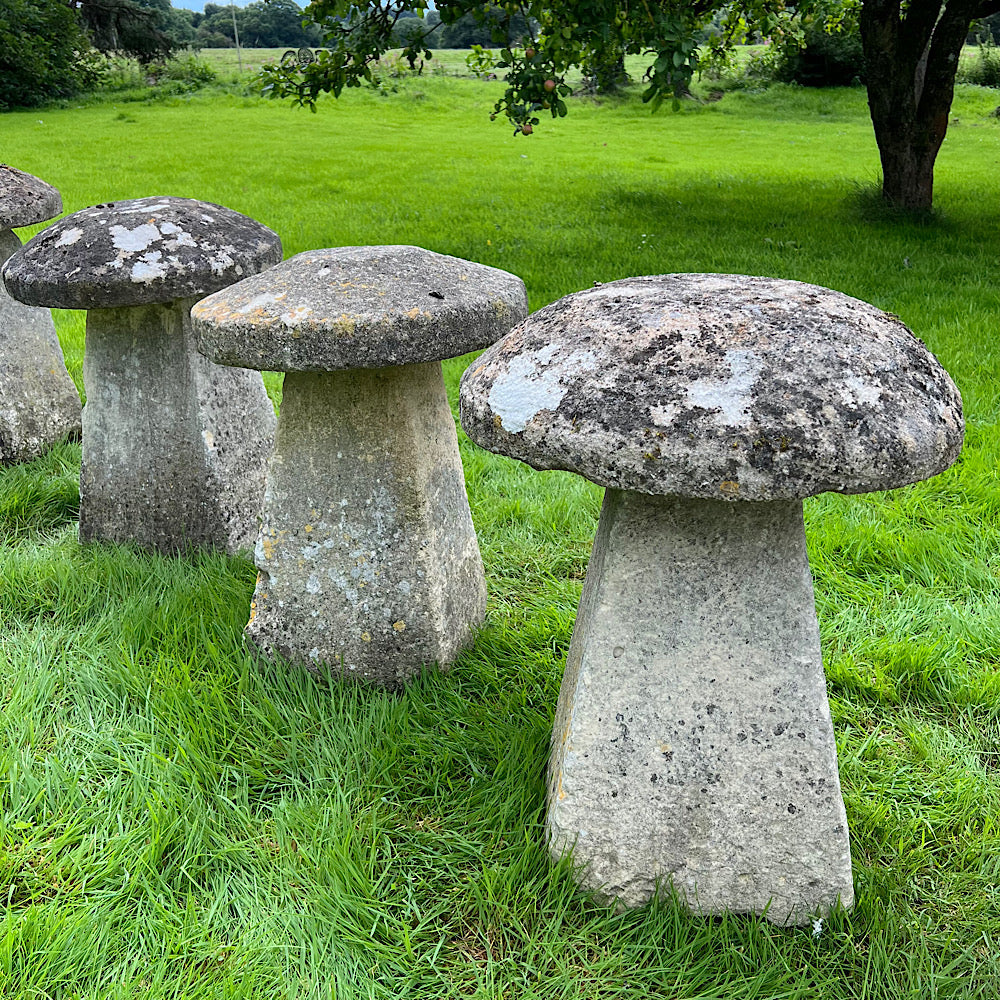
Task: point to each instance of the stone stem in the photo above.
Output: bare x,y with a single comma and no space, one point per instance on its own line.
368,557
693,743
175,448
39,404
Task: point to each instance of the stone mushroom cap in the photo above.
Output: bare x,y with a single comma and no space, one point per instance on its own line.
128,253
359,307
25,199
717,387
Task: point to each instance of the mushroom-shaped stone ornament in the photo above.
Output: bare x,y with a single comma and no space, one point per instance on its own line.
693,743
175,449
39,403
367,555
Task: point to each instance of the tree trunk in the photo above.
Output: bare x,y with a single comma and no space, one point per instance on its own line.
908,165
911,59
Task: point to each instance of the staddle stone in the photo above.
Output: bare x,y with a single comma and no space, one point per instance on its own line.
39,404
367,556
693,746
175,448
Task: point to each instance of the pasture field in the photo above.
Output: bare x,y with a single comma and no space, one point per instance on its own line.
179,821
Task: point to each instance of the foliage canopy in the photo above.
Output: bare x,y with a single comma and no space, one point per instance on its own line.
910,51
41,42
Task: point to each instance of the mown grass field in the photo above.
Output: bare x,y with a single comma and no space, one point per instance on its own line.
178,821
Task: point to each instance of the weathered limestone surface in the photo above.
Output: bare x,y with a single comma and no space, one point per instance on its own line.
367,555
175,448
39,404
717,386
693,742
360,307
25,199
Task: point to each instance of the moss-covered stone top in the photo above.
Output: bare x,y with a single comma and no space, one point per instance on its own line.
140,251
25,199
717,386
359,307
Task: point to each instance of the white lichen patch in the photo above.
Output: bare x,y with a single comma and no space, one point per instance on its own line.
260,301
149,267
182,239
134,240
856,390
731,397
534,382
663,416
220,261
69,237
160,206
296,316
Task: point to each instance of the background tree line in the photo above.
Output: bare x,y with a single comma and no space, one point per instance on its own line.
910,50
56,48
51,49
906,54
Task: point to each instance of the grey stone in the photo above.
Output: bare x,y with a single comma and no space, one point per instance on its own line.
175,448
692,743
25,199
360,307
39,404
717,386
139,251
367,555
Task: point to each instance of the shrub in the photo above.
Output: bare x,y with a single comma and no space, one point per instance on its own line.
989,27
43,53
181,75
984,70
826,59
187,69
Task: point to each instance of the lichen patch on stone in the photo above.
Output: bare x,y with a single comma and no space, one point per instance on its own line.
149,267
69,237
534,382
133,240
730,395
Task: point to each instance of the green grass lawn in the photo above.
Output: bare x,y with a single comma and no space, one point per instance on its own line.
177,820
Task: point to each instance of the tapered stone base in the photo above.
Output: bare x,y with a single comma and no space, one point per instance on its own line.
175,448
39,404
693,744
367,554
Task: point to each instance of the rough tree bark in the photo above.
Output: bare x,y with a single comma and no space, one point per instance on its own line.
911,56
